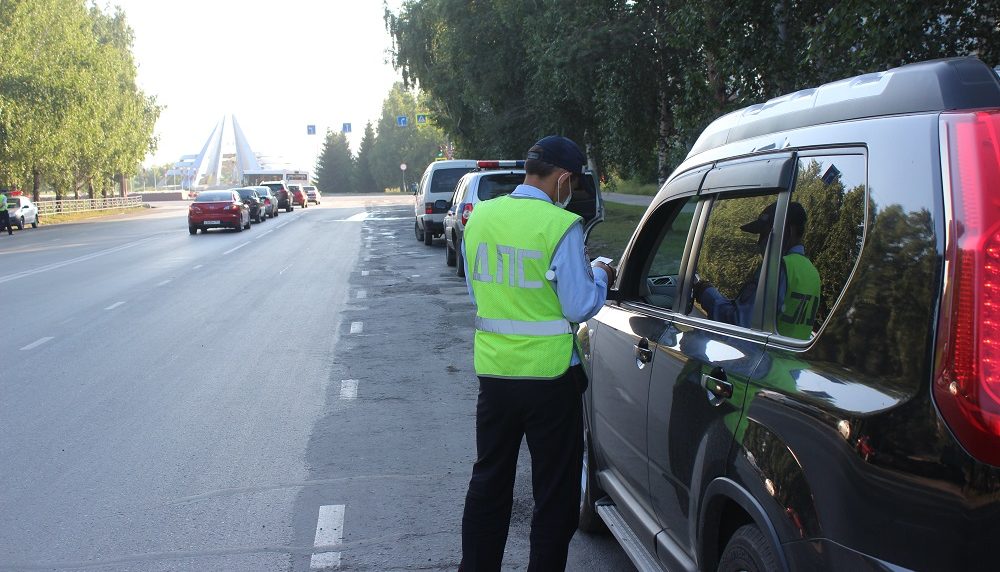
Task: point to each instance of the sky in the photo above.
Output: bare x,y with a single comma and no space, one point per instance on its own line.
277,66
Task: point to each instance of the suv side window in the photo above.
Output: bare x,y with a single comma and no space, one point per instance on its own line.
659,279
728,272
831,192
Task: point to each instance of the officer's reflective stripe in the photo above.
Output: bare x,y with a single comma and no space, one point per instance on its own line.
515,327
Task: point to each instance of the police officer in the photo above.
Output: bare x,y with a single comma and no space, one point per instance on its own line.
530,280
798,283
5,216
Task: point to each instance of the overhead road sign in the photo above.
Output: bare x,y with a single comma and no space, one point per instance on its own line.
310,129
346,128
421,118
402,121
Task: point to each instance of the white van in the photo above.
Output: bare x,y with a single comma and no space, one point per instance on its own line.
435,190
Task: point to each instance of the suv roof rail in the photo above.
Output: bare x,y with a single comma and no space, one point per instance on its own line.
936,85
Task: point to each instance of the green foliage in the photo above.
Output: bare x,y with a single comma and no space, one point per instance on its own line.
364,181
70,110
636,81
335,165
415,145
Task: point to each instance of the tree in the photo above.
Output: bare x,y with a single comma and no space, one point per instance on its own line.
335,166
414,145
364,181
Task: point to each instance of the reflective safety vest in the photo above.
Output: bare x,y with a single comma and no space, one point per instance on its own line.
521,332
797,314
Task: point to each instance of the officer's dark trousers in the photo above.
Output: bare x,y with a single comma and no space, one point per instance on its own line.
549,414
5,222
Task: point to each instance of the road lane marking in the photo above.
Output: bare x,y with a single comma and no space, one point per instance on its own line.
364,273
329,532
164,283
266,233
36,343
356,327
283,269
349,389
115,305
199,266
91,256
360,217
362,294
235,248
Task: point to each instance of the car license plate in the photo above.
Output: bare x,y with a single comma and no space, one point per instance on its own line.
212,222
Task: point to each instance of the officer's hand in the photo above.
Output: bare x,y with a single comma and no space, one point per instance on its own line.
608,269
699,286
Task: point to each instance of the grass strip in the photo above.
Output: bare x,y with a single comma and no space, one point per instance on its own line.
85,215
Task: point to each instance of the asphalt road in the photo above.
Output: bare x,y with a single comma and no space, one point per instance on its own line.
297,396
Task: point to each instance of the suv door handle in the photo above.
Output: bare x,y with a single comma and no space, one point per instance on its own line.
720,388
643,354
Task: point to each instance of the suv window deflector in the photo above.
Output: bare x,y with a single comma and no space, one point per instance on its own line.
765,173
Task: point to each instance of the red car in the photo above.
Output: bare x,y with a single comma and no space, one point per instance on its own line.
218,209
298,196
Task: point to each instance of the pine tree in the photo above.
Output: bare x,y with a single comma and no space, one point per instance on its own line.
364,181
335,166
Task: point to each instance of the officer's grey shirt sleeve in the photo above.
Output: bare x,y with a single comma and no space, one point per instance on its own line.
582,290
468,277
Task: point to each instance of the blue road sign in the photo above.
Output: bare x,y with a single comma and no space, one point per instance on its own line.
402,121
346,128
310,129
421,118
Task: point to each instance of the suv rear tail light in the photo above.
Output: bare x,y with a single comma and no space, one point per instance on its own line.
466,212
967,374
428,208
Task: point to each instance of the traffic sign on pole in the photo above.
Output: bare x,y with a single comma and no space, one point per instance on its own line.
421,118
346,128
310,129
402,166
402,121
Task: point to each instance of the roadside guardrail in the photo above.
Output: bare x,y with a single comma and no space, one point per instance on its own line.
50,207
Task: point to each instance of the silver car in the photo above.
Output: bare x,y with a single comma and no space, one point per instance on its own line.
22,211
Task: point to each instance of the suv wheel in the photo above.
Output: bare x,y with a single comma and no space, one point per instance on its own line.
20,224
35,223
590,492
428,237
417,231
748,550
449,254
459,261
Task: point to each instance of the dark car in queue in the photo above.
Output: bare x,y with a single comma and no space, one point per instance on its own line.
798,366
218,209
298,196
280,190
253,201
270,201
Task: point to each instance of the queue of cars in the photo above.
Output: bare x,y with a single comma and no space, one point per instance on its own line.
232,208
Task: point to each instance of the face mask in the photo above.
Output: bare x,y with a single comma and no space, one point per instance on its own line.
559,203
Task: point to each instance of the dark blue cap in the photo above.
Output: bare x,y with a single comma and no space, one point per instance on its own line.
558,151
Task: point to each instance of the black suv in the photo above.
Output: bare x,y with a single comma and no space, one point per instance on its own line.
798,367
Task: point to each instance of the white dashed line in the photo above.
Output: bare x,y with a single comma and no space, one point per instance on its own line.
115,305
356,327
164,283
349,389
36,343
362,294
266,233
235,248
283,269
360,217
329,532
199,266
364,273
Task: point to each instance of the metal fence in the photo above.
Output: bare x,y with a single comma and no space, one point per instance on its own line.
50,207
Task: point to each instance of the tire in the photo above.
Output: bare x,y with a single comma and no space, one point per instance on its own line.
36,223
459,261
449,254
428,237
289,208
259,218
748,550
247,227
590,492
192,230
417,231
239,226
20,224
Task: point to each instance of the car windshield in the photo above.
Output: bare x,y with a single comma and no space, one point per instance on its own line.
247,193
214,197
444,180
493,186
274,187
